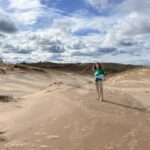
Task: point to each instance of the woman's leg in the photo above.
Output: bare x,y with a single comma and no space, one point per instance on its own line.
97,89
101,90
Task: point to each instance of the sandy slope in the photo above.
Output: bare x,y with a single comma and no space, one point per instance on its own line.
59,112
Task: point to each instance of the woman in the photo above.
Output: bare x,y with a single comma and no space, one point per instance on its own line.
99,77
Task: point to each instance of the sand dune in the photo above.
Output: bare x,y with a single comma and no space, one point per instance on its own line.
53,110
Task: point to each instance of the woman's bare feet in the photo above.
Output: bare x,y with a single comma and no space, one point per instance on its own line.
98,98
101,99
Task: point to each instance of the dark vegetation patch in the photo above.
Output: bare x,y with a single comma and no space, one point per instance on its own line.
83,68
29,68
2,71
3,139
6,98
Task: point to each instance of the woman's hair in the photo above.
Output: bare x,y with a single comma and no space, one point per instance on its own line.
100,66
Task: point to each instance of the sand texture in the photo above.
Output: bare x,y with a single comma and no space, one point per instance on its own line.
56,110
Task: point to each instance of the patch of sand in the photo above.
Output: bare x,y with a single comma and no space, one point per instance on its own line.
54,111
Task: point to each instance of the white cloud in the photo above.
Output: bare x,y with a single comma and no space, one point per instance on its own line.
121,38
138,6
28,17
27,13
133,23
24,4
98,4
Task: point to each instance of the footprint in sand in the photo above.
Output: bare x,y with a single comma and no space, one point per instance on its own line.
109,147
42,125
53,137
53,120
43,146
16,143
33,145
40,133
84,129
67,127
38,140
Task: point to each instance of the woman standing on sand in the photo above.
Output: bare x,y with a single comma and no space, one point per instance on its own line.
99,77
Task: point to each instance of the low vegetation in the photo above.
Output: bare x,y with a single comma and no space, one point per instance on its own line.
83,68
6,98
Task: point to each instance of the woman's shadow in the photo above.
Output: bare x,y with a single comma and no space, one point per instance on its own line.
126,106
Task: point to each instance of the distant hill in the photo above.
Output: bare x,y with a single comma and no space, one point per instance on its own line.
83,68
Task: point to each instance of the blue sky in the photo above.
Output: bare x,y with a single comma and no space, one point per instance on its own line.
75,31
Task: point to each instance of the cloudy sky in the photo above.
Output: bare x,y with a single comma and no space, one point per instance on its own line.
75,31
